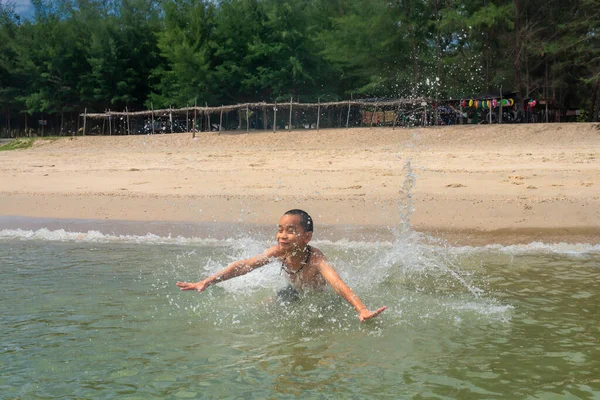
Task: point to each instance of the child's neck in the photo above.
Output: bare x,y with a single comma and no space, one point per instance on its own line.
297,256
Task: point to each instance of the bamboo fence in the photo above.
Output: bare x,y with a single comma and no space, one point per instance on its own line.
269,114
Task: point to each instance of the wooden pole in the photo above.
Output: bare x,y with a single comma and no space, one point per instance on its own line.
500,116
265,119
103,124
109,124
275,118
171,119
318,113
373,115
84,120
187,119
546,89
195,114
221,120
247,119
152,105
208,116
290,123
128,126
348,116
396,118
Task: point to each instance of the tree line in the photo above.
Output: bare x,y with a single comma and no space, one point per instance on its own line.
134,54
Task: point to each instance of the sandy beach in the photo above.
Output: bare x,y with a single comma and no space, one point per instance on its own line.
467,184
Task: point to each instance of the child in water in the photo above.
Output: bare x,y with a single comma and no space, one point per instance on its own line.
305,266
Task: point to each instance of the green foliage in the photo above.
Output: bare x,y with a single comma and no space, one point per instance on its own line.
17,144
99,54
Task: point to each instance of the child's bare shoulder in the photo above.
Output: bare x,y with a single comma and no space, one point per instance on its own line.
317,254
273,252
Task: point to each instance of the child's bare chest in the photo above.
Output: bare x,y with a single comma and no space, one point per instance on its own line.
303,276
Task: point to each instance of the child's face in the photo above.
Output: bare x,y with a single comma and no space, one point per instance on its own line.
291,235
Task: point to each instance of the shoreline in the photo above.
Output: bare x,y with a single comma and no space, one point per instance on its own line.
221,230
464,184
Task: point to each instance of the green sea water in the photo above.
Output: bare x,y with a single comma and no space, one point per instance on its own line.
92,315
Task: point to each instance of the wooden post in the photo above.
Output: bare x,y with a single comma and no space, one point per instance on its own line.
491,111
318,113
195,114
103,124
500,116
84,121
348,116
373,115
275,118
208,116
152,106
290,123
221,120
171,119
128,126
265,119
109,124
396,118
247,119
546,89
187,118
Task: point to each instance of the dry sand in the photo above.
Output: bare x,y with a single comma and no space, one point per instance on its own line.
472,184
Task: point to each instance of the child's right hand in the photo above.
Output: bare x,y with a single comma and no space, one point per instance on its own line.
199,286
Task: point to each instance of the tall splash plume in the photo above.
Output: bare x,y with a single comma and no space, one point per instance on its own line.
406,202
414,255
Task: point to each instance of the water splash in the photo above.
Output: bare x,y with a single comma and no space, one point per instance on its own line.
406,201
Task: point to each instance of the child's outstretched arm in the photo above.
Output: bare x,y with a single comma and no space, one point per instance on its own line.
237,268
343,290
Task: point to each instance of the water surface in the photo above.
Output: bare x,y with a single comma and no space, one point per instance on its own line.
92,315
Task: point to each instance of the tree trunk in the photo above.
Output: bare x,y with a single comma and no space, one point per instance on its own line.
439,61
8,122
518,51
595,106
414,48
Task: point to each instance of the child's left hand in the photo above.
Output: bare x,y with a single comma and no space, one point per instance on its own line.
366,314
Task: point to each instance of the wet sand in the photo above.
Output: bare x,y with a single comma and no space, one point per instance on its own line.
470,185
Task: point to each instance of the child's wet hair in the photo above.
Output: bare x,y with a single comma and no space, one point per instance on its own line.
305,220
